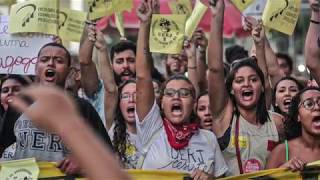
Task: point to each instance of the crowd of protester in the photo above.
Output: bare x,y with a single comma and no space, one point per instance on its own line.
241,115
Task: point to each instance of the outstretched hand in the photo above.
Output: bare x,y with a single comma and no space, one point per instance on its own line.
96,37
189,47
314,5
52,109
249,23
145,10
258,33
216,6
200,39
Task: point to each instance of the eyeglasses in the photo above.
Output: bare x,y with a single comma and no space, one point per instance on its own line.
182,92
310,103
127,96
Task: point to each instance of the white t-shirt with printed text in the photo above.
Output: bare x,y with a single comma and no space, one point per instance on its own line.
202,152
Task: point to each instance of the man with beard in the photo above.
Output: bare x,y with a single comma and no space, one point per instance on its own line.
52,68
103,94
176,64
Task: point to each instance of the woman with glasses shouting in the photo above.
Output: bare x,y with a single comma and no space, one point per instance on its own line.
123,132
170,137
246,131
302,130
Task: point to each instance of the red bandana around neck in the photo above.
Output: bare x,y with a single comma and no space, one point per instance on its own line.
179,135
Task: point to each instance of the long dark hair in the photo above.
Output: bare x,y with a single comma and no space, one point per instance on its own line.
274,91
292,126
262,115
120,135
183,78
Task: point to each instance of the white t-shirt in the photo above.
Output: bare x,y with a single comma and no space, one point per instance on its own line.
132,152
202,152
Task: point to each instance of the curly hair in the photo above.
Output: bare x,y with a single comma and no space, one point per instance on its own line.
292,126
120,135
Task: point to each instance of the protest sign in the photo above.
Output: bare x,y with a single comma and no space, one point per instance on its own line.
167,33
34,16
20,169
122,5
195,18
181,7
242,4
71,24
255,9
119,23
99,8
18,53
281,15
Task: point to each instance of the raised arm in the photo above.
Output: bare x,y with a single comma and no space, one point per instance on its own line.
89,74
56,112
201,56
107,76
258,36
312,44
145,91
273,67
217,90
189,47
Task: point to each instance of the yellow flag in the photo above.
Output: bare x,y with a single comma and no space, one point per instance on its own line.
20,169
34,16
119,23
167,33
181,7
242,4
122,5
71,24
281,15
99,8
195,18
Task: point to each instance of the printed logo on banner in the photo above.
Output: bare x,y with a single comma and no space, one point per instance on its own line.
167,33
182,9
282,15
62,19
94,4
20,173
30,9
279,11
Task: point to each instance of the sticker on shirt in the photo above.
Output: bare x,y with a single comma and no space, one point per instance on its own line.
243,141
252,165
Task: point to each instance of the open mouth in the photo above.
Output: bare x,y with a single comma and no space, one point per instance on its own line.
316,121
247,94
50,73
287,102
176,109
130,110
207,122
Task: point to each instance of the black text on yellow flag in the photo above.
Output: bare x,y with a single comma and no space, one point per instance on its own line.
167,33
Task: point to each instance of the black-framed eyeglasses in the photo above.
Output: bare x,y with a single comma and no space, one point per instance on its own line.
310,103
182,92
